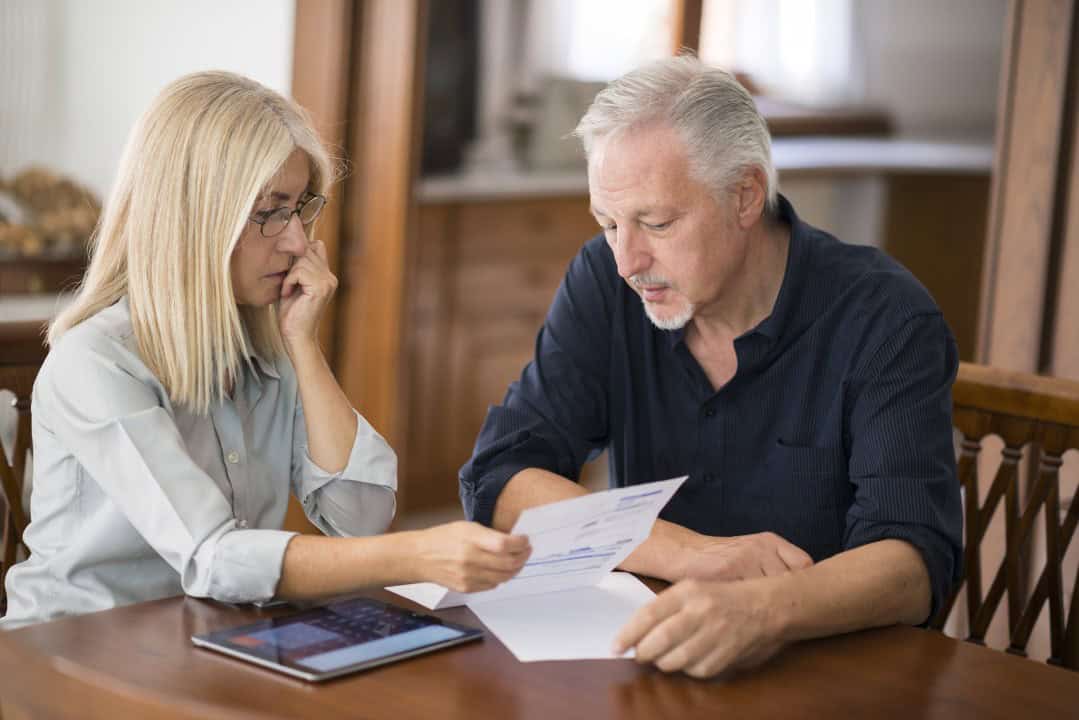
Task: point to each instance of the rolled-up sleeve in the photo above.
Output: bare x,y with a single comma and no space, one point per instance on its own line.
360,499
117,426
902,459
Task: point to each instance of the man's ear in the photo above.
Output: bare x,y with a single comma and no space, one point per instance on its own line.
752,194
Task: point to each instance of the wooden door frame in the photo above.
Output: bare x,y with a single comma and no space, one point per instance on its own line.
358,70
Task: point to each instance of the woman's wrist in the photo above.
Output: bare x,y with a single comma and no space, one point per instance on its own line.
302,349
409,546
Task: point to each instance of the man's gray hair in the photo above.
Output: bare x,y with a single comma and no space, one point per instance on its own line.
716,117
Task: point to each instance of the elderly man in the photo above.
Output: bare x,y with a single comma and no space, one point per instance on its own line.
802,384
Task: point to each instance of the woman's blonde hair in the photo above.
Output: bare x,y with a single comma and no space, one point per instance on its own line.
192,170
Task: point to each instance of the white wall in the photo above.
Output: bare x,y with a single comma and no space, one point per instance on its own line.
934,64
75,75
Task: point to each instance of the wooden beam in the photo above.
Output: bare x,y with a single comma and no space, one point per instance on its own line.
322,62
686,25
383,139
1026,173
1064,358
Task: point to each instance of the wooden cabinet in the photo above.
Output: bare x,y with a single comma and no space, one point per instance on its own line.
484,274
39,275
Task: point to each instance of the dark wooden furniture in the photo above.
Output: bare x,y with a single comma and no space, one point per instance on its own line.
485,274
898,672
40,275
21,354
1023,410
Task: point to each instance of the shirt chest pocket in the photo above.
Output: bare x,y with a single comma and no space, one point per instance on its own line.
810,492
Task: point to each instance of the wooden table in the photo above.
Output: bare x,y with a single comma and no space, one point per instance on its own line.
898,672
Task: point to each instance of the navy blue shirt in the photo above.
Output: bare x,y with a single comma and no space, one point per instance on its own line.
834,432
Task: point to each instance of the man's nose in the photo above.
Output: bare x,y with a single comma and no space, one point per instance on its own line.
293,239
630,253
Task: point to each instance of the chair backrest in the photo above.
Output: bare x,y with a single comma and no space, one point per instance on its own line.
21,353
36,685
18,379
1041,412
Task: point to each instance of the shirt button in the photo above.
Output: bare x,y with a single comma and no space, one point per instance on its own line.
710,412
242,523
234,457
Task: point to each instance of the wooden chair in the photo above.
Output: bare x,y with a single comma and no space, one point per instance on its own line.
36,685
21,355
1022,410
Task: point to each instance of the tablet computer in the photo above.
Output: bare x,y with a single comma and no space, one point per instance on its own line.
337,638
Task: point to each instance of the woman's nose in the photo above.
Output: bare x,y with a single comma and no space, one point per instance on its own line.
293,239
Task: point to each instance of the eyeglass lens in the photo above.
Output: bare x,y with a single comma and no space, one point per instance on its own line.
276,223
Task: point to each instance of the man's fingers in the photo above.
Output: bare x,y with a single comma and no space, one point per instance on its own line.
694,645
709,662
666,638
666,604
772,564
793,556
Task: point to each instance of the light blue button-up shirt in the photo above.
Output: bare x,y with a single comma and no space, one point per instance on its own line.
136,499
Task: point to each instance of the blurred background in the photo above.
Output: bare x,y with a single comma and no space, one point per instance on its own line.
942,131
883,113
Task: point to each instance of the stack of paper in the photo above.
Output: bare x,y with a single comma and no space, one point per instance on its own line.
566,604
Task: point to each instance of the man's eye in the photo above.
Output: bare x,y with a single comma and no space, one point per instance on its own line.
659,226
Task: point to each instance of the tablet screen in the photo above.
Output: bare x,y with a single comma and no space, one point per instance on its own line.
337,638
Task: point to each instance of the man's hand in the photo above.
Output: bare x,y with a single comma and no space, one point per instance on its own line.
741,558
703,628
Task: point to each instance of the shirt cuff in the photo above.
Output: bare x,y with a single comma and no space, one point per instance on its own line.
479,498
247,565
371,461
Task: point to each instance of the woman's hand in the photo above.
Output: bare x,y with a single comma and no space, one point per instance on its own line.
305,292
467,557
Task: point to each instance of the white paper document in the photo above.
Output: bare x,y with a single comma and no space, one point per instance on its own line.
576,543
577,624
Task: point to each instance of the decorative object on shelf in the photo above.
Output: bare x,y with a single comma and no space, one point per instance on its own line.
45,215
46,222
558,105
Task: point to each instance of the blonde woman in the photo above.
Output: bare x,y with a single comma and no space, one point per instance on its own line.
185,393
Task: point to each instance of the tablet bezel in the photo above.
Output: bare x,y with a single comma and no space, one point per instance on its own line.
217,641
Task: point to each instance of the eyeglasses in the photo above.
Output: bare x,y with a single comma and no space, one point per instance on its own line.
273,222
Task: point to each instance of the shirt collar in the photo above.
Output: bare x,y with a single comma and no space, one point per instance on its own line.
264,366
773,326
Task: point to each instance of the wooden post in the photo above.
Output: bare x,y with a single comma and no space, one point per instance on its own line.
686,25
379,209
